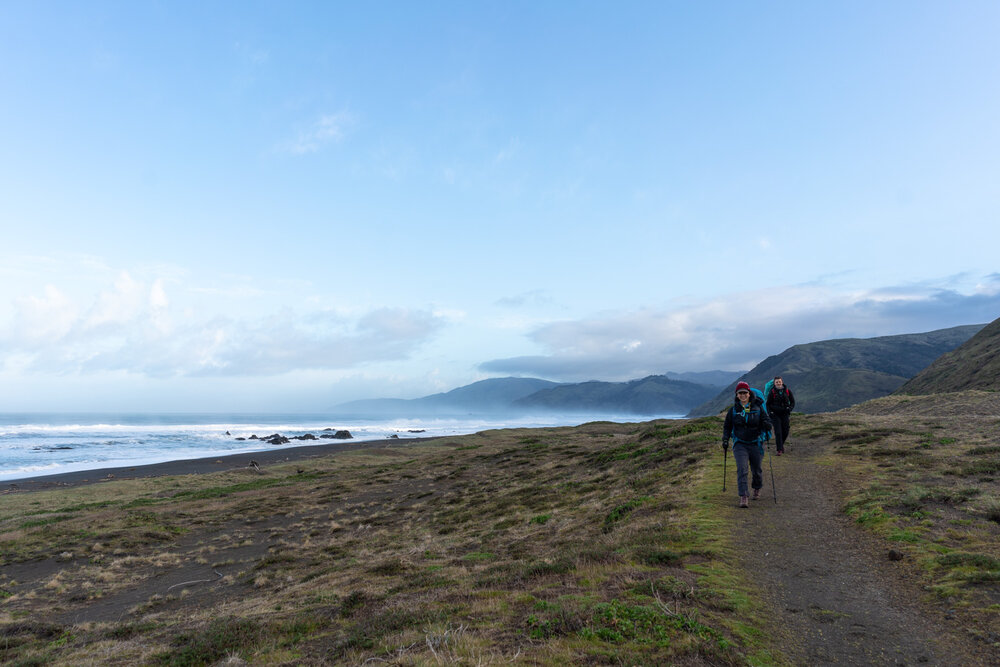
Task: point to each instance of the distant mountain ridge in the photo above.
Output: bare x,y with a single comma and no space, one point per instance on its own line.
492,395
652,395
825,376
834,374
709,378
973,365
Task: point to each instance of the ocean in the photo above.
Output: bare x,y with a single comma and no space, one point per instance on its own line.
35,444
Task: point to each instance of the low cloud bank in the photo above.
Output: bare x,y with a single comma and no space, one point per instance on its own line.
133,327
156,327
740,330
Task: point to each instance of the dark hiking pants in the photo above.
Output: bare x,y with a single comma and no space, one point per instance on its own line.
781,422
747,455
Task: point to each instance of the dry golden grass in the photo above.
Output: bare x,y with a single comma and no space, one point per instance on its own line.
596,544
538,546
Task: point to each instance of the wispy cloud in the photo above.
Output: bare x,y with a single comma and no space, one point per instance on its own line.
740,330
509,151
532,297
252,54
329,128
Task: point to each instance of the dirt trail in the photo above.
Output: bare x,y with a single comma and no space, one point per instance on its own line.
836,594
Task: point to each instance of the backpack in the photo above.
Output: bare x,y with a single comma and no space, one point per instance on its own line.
767,392
765,435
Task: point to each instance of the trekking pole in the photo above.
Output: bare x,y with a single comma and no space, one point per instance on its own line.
771,466
725,458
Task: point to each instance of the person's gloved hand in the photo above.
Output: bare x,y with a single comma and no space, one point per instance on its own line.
725,444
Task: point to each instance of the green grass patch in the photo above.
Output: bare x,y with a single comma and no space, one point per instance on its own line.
985,467
223,637
983,451
221,491
47,521
656,556
617,622
903,535
959,559
621,512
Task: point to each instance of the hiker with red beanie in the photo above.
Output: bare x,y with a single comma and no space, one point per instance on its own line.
747,424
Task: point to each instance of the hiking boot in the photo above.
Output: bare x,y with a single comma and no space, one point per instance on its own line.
780,452
744,502
756,494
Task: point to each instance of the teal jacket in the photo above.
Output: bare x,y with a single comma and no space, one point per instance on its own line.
749,425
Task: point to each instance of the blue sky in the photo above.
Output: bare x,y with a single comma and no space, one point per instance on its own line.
286,205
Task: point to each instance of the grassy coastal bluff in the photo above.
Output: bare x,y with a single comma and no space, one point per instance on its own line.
595,544
406,333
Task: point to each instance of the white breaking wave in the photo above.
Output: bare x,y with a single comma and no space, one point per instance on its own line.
36,445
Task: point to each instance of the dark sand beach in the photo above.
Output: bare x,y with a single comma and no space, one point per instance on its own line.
198,466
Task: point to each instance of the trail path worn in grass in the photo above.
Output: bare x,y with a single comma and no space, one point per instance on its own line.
837,597
595,544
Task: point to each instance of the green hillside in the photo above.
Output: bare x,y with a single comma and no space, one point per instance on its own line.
834,374
652,395
973,365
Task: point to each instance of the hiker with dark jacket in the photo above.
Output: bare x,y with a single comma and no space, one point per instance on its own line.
780,403
747,424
